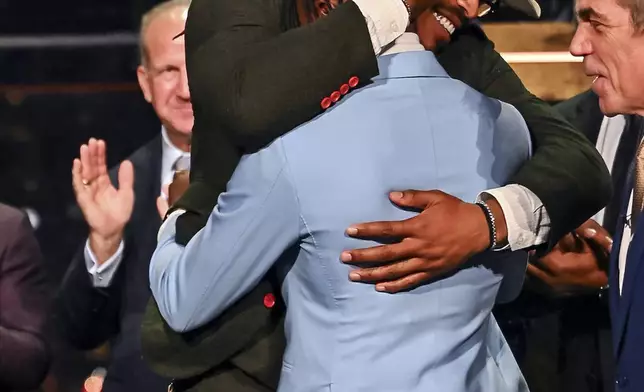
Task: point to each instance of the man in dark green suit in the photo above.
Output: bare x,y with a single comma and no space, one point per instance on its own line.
257,69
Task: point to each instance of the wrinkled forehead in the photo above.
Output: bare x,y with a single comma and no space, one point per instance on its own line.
601,10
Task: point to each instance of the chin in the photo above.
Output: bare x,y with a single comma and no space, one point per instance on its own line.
610,108
184,128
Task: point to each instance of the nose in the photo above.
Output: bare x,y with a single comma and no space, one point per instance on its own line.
580,45
470,7
183,90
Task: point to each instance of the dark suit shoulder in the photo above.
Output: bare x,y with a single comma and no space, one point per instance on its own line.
584,113
586,99
10,217
143,159
142,155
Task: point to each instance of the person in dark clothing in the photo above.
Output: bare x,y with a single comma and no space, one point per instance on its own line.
277,54
24,352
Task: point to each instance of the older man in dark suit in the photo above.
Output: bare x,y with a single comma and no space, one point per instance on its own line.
24,353
574,341
105,291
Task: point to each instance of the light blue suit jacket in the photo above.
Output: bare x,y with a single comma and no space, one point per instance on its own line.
289,204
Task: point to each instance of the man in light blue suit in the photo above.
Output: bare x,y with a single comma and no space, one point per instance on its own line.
289,204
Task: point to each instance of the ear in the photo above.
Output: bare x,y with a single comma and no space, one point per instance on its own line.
144,83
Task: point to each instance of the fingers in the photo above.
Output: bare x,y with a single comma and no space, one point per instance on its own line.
126,176
540,274
553,263
599,236
389,272
165,190
404,284
93,158
397,229
416,199
380,254
81,191
93,164
87,170
162,206
101,164
568,243
77,177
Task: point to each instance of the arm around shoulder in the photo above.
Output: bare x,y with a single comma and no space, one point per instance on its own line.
566,172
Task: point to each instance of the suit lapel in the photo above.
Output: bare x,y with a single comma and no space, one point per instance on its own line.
147,172
614,293
589,117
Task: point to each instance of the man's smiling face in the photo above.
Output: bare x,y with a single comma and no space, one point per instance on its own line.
436,25
613,51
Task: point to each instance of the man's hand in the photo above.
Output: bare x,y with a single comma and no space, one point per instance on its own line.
179,185
162,202
105,208
578,262
173,192
444,235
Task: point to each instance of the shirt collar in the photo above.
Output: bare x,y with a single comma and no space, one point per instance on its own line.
409,60
407,42
170,154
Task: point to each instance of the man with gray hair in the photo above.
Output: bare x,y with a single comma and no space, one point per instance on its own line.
105,291
610,37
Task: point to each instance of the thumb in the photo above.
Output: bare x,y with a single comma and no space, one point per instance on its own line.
162,206
416,199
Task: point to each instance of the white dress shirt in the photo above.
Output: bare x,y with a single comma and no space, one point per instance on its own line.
627,237
103,274
610,134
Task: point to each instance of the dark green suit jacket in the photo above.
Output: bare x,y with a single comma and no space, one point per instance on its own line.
253,76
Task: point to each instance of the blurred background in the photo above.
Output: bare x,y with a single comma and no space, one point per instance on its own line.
67,73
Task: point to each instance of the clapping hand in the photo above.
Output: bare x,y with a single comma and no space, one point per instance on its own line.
106,209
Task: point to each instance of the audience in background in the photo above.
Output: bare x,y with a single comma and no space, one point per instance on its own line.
24,349
106,289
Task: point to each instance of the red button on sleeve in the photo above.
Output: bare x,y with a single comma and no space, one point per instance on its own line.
326,102
269,300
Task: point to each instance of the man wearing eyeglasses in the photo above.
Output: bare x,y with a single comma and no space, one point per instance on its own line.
255,74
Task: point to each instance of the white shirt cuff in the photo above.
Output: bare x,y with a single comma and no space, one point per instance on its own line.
168,224
103,274
386,20
525,216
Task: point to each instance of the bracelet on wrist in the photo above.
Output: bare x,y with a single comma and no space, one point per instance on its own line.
491,222
406,3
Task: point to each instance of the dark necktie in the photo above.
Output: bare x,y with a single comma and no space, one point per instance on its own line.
623,157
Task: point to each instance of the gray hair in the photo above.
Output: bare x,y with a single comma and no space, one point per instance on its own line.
150,16
636,9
